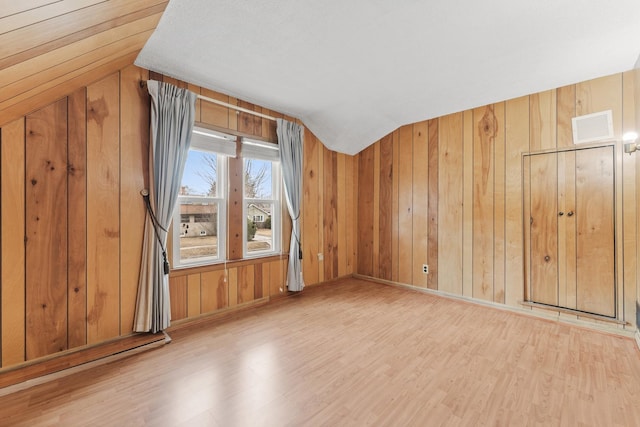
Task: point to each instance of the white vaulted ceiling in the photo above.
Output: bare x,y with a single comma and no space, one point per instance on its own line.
355,70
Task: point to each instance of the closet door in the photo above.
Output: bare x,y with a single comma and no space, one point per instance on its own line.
594,214
569,249
543,228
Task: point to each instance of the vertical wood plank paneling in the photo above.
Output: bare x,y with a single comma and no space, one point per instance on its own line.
269,127
134,170
232,280
601,94
483,201
232,115
245,278
12,210
214,289
194,295
517,142
257,281
103,210
214,114
351,208
365,211
450,191
395,208
405,205
386,206
336,252
629,198
499,206
235,232
467,206
249,123
542,108
310,209
566,98
178,297
46,230
77,219
376,209
265,279
276,279
320,212
433,204
419,203
329,218
341,223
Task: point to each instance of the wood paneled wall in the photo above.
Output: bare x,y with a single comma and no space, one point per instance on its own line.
72,219
447,192
330,189
50,48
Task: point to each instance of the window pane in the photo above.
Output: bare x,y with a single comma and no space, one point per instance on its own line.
198,231
257,179
200,176
259,236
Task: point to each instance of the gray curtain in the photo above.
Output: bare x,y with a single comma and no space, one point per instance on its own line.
290,143
172,118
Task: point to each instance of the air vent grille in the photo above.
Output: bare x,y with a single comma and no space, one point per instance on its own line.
593,127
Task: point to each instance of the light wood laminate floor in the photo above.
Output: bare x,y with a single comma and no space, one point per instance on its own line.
355,353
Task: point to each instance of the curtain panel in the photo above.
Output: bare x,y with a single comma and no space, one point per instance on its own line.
172,121
290,141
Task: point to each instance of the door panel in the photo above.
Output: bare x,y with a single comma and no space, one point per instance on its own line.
566,229
544,228
595,268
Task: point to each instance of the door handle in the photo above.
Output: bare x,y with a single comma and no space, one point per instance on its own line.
560,213
570,213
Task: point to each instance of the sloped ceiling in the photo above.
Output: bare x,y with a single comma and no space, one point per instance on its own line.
356,70
50,48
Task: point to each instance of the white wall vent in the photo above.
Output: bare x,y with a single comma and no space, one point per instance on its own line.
592,127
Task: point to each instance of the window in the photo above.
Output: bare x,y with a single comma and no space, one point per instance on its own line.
261,198
199,225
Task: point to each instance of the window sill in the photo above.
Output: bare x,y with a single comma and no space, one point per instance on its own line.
220,265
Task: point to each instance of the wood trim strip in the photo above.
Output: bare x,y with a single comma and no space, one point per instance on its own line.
575,312
71,358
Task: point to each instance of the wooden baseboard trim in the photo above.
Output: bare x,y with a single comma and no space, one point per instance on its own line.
42,368
217,315
598,327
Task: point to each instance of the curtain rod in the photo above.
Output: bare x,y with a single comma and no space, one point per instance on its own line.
143,84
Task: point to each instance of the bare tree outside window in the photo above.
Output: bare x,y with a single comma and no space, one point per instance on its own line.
254,178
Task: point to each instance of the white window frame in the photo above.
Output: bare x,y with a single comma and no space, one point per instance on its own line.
258,150
223,146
